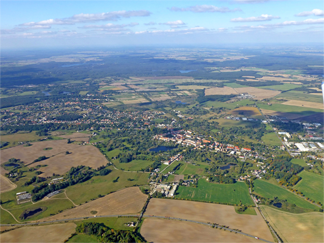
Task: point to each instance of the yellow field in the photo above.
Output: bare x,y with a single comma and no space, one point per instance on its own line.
134,101
303,227
259,94
220,91
161,230
48,233
58,162
194,87
160,97
5,183
301,103
127,201
209,212
20,137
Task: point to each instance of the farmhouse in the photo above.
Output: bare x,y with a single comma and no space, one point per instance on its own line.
23,197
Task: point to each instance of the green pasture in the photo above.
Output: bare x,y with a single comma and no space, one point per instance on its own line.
216,193
271,139
299,95
282,87
268,190
300,162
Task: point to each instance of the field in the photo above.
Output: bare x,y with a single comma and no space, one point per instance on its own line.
283,87
190,169
220,91
6,218
259,94
6,184
103,185
271,139
160,230
83,238
14,139
127,201
302,103
299,95
246,111
311,185
58,162
208,212
112,222
265,189
216,193
134,165
303,227
77,136
300,162
48,233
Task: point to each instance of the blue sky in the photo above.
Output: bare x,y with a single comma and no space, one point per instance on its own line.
28,24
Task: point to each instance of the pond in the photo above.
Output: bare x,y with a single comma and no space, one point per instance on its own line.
278,205
226,167
161,149
12,164
46,93
186,71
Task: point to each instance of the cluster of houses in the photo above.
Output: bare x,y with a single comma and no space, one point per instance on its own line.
176,157
23,197
166,190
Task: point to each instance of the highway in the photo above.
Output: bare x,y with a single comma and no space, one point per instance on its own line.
137,215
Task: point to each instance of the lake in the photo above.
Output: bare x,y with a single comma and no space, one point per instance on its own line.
161,149
226,167
186,71
178,102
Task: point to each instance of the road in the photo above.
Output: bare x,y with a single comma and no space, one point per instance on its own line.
136,215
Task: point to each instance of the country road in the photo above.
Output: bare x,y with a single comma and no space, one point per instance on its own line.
137,215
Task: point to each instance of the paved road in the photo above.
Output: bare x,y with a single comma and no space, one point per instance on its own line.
136,215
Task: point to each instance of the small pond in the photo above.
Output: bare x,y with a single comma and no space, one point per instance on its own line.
161,149
12,164
226,167
179,102
278,205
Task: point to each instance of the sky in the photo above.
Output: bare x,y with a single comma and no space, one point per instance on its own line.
54,24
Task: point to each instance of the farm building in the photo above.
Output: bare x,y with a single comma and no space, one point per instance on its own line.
23,197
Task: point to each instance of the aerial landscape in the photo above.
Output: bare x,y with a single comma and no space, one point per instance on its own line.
159,121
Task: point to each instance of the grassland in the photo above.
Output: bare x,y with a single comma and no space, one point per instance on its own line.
311,185
216,193
6,184
299,95
114,223
247,112
14,139
190,169
283,87
47,233
6,218
83,92
134,165
235,85
209,212
271,139
249,210
289,109
304,227
232,105
268,190
104,185
300,162
83,238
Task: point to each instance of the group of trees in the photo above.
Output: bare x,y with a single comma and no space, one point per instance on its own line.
106,234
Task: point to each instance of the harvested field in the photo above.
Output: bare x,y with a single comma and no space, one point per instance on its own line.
48,233
5,183
161,230
134,101
301,103
160,97
177,178
259,94
20,137
193,87
302,227
77,136
246,111
59,162
220,91
127,201
208,212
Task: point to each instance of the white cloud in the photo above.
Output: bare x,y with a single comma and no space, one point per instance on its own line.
252,1
182,31
110,26
150,23
204,9
84,18
316,12
263,17
172,23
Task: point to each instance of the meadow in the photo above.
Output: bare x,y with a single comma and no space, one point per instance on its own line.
300,162
216,193
268,190
299,95
271,139
83,238
311,186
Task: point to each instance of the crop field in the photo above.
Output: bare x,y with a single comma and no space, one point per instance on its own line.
128,201
247,112
193,87
312,185
259,94
103,185
289,109
135,100
302,227
268,190
220,91
216,193
282,87
160,230
208,212
58,162
47,233
77,136
302,103
271,139
299,95
6,184
160,97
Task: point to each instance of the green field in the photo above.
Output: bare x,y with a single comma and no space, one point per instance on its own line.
249,210
311,185
289,108
232,105
83,238
271,139
83,92
6,218
299,95
114,223
134,165
268,190
283,87
104,185
190,169
300,162
216,193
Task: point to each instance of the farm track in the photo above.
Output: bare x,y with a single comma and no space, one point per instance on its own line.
10,214
69,199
